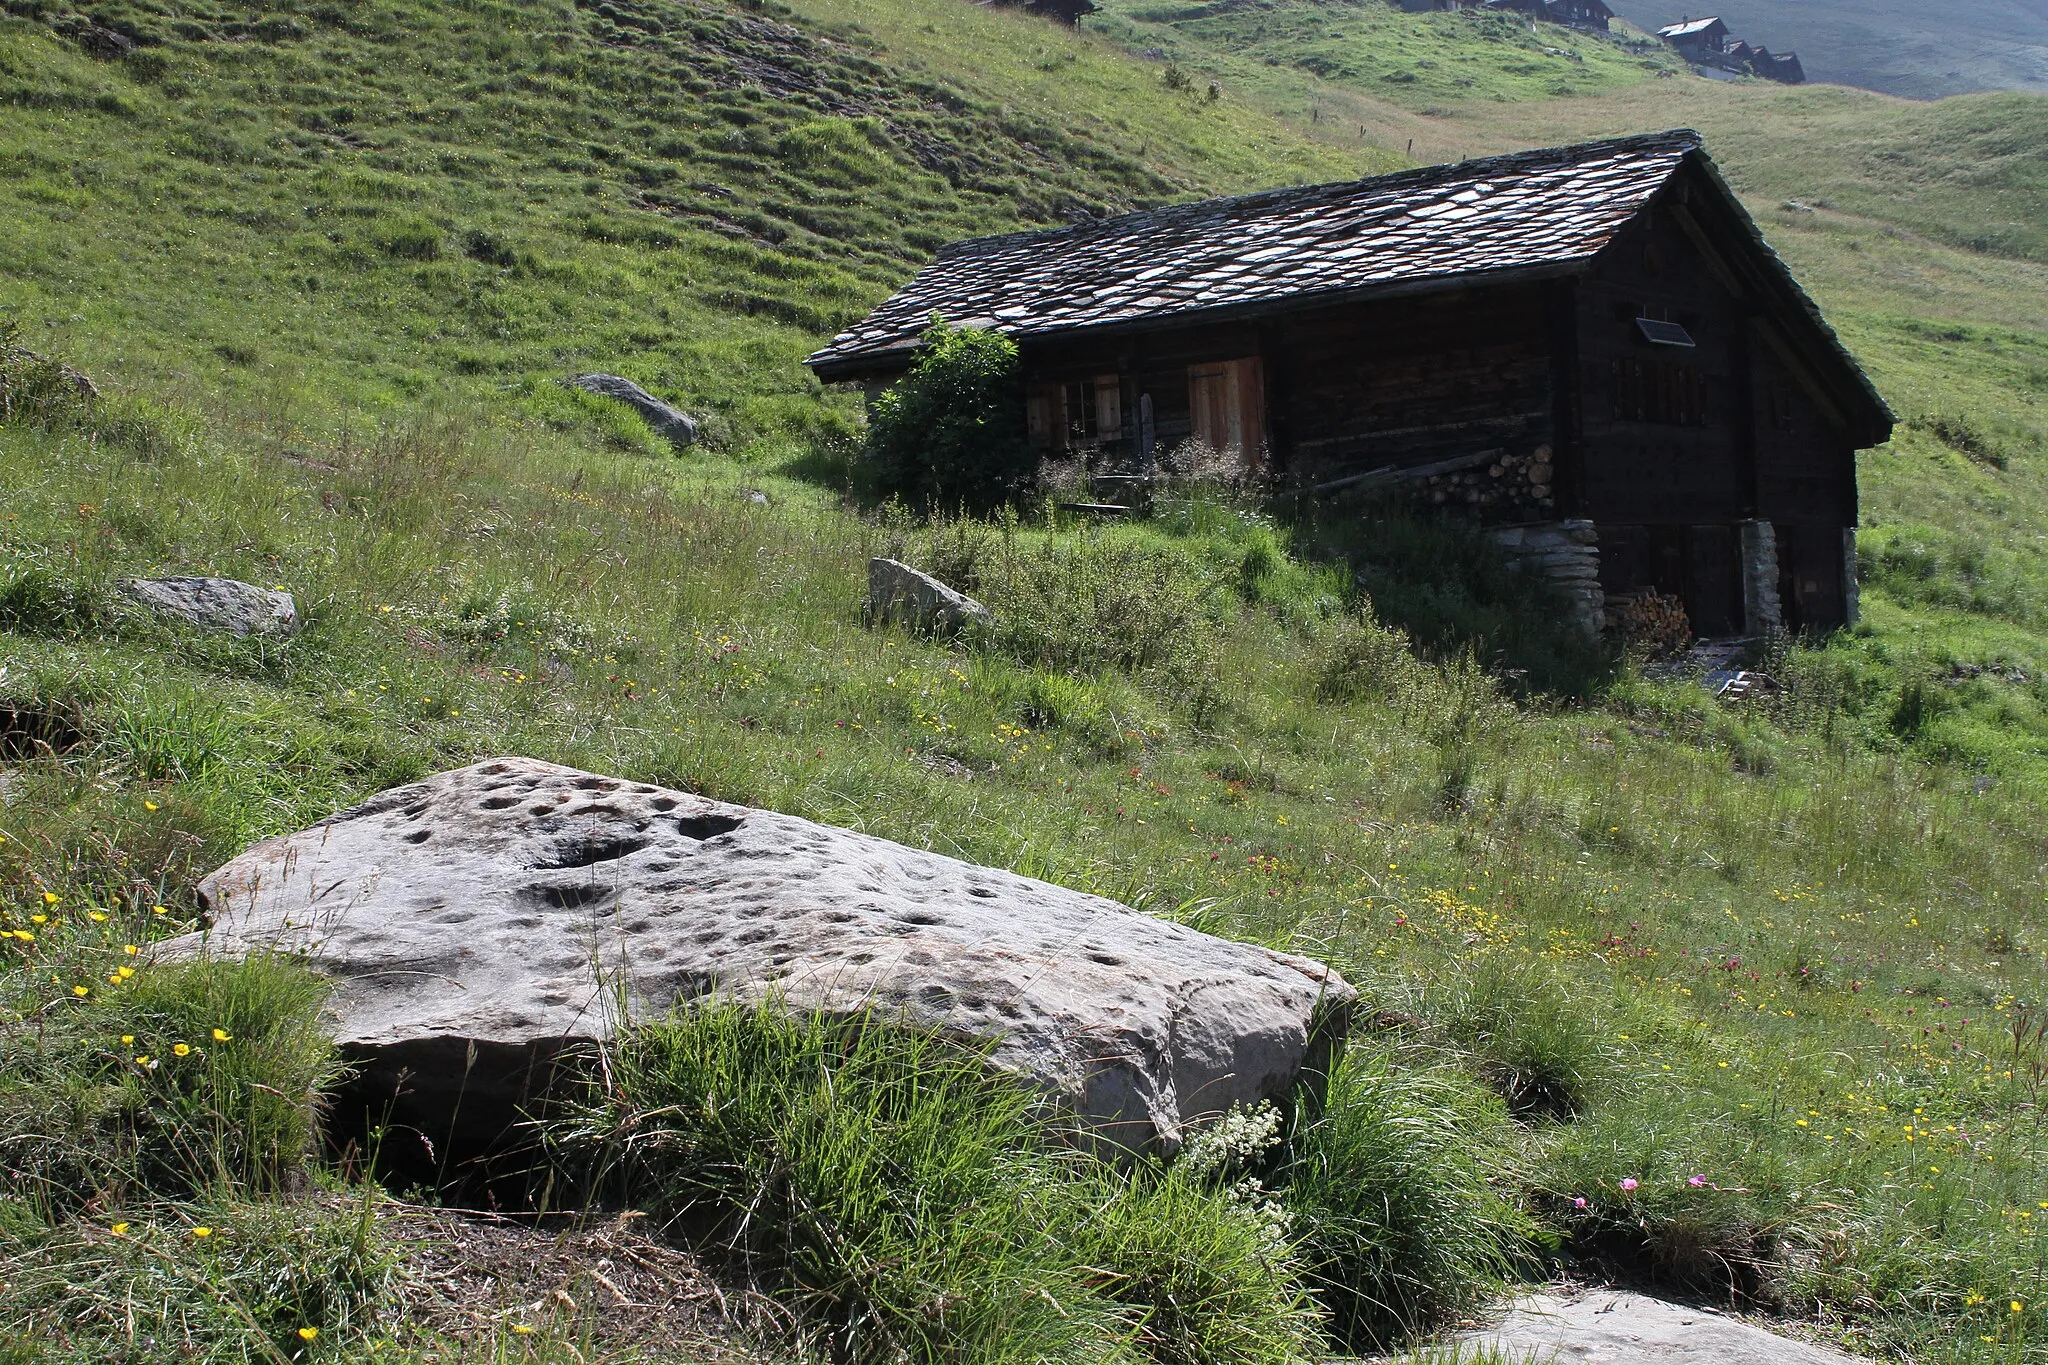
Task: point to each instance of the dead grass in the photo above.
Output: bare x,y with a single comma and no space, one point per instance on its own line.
610,1285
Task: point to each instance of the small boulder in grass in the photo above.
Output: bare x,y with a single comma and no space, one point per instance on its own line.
899,593
217,604
672,424
480,923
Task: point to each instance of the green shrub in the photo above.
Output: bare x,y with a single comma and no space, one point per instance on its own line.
1092,602
244,1293
907,1202
37,601
413,238
1358,659
951,432
37,391
1452,592
1205,1277
1387,1186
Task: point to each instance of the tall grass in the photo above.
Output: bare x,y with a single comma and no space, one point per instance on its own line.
1390,1183
163,1084
909,1203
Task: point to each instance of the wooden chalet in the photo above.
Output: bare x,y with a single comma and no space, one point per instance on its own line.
1711,48
1696,38
1590,350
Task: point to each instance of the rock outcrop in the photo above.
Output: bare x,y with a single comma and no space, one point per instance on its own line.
673,425
217,604
480,921
897,592
1615,1327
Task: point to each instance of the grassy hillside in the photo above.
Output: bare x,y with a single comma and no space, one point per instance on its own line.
1417,60
1760,985
377,203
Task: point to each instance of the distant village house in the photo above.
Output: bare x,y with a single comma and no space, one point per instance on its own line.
1589,350
1711,48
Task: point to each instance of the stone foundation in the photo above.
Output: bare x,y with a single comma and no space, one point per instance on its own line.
1851,593
1762,613
1566,554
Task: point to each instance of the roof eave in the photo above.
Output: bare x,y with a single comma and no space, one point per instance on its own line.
1872,424
894,357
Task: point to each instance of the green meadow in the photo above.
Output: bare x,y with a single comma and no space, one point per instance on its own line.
1759,983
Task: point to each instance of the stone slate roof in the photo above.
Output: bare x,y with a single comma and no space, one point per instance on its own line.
1530,211
1687,29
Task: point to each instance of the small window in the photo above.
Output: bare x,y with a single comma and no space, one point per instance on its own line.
1659,333
1079,415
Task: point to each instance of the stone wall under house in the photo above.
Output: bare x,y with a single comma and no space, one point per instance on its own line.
1566,554
1761,611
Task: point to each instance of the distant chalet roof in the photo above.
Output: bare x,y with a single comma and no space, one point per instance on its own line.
1551,208
1525,215
1686,30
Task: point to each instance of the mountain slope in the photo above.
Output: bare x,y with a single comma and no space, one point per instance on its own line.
1896,46
382,200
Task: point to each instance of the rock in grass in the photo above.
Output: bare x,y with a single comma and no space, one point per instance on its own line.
1615,1327
480,921
673,425
897,592
217,604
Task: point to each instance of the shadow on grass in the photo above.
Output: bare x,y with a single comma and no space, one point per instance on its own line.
1453,592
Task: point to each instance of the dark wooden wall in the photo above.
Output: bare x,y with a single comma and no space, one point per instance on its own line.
1690,462
1348,388
1410,380
1805,466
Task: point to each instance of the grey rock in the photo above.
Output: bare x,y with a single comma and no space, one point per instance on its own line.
1612,1327
218,604
477,923
673,425
897,592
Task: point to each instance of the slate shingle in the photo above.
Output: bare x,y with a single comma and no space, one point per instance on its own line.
1555,207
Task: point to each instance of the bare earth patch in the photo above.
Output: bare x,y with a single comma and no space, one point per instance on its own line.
612,1285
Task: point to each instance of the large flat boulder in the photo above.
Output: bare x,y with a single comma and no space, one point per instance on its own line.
479,921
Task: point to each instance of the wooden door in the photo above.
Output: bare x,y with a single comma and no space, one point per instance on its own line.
1227,404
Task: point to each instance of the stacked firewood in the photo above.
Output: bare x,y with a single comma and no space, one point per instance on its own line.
1651,621
1508,486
